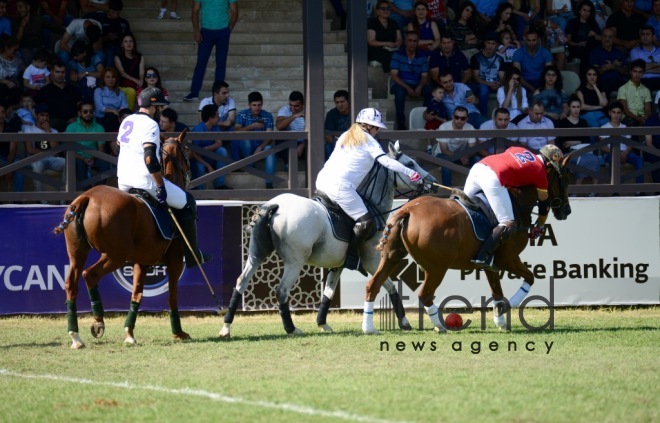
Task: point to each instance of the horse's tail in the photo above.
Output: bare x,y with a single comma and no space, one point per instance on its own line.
76,208
261,241
392,236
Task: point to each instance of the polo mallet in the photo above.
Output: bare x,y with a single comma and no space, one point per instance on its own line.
435,184
221,311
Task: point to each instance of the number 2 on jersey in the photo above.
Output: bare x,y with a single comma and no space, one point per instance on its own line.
126,129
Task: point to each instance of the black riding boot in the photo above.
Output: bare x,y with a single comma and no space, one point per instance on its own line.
486,254
364,229
187,218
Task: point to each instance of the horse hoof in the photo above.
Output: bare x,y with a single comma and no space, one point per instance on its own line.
225,332
130,341
325,328
370,331
181,336
500,321
296,332
439,329
76,343
404,324
97,329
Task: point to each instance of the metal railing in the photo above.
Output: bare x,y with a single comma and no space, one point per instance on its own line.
614,177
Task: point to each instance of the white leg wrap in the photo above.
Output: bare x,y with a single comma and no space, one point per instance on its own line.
432,311
329,292
520,295
368,318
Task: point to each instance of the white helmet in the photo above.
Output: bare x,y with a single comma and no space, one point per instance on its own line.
370,116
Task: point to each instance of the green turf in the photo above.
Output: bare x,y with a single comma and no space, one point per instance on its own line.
603,366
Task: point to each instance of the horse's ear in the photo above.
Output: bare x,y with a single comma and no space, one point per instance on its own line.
394,148
182,136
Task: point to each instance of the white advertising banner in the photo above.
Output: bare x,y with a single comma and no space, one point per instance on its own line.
606,253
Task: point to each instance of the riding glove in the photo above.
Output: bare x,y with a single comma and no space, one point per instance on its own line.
416,177
161,194
536,232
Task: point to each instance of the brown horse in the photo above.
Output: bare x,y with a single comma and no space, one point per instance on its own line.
438,235
121,227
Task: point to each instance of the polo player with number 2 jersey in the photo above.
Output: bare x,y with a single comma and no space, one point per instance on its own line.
516,167
138,166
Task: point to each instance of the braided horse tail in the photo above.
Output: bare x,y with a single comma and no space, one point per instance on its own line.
75,210
391,238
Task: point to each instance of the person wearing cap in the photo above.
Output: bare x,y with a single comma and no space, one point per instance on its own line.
487,70
138,166
516,167
354,155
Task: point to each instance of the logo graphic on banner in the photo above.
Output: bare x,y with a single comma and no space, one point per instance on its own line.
155,282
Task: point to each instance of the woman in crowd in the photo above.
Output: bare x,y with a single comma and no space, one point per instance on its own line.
130,65
513,96
552,95
568,144
109,100
503,19
152,79
383,36
582,33
429,34
593,99
464,29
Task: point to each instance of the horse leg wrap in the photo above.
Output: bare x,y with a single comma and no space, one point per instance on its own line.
95,299
520,295
71,316
323,311
432,311
285,314
236,299
175,322
131,317
397,305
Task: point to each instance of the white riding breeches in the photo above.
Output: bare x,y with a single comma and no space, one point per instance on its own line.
176,197
344,195
483,178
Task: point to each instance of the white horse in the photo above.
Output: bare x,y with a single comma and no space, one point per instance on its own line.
299,230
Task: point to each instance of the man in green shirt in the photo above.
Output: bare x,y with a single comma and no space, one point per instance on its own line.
85,162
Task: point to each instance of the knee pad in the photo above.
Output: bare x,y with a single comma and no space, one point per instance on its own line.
365,227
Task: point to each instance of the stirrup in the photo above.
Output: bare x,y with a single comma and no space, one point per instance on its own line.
487,264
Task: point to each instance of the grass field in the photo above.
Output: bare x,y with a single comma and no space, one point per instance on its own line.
596,366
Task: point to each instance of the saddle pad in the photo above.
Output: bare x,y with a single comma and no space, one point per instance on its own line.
342,225
480,223
161,217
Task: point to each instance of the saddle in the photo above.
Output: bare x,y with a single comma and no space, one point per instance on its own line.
159,213
481,215
341,223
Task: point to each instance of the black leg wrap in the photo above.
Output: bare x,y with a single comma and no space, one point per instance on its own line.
285,314
236,299
323,311
397,305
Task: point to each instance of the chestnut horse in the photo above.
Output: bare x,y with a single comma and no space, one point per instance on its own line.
120,227
438,235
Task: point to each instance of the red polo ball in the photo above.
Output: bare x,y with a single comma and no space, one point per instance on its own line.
454,320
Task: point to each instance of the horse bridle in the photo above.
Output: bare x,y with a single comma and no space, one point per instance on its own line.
187,175
557,202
